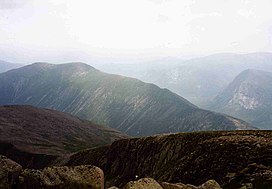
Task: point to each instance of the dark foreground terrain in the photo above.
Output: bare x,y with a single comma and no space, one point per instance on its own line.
33,136
232,158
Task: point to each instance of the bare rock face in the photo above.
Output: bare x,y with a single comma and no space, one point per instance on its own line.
83,177
9,172
252,176
144,183
210,184
184,157
167,185
150,183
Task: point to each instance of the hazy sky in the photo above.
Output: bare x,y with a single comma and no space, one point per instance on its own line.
67,30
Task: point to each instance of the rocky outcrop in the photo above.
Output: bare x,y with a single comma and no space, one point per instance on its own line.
144,183
9,172
83,177
75,177
210,184
253,176
167,185
185,157
150,183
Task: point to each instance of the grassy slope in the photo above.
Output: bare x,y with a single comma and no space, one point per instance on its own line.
50,132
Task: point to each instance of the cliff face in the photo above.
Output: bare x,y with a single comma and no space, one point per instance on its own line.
184,157
249,97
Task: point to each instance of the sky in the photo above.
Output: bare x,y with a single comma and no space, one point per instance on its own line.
113,30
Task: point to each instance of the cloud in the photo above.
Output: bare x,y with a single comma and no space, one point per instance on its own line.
12,4
162,18
124,27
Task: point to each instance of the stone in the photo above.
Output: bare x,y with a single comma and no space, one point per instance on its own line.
9,172
83,177
210,184
144,183
167,185
257,175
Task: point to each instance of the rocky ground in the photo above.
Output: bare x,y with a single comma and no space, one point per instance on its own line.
185,157
200,160
74,177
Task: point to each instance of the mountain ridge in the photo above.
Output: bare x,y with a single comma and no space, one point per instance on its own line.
197,79
123,103
5,66
248,97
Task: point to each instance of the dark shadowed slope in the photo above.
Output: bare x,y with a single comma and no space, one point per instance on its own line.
50,132
249,97
28,159
126,104
184,157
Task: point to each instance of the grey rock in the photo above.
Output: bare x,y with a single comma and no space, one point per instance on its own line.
167,185
9,172
144,183
83,177
210,184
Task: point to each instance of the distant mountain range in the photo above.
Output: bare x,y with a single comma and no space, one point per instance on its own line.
123,103
44,131
249,97
199,79
5,66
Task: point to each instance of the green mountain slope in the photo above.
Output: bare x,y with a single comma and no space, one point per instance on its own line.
249,97
126,104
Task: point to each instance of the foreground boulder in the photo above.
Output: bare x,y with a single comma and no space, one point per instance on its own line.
210,184
167,185
9,172
144,183
150,183
83,177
